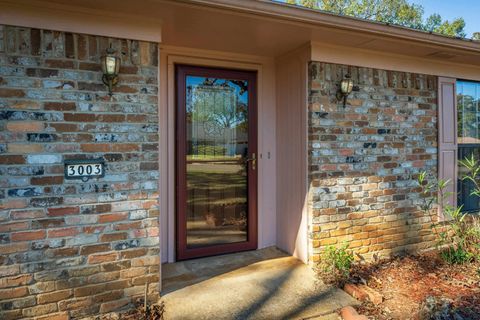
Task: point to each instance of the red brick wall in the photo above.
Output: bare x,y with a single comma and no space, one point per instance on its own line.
67,247
364,159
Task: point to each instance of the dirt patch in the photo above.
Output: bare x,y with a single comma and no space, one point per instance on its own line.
408,283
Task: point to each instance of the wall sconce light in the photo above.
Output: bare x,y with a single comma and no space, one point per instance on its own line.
346,87
110,67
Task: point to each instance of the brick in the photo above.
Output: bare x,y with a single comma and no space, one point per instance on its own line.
66,236
100,258
55,316
95,248
21,303
145,261
363,293
9,270
125,147
95,147
83,271
13,203
28,235
64,232
79,117
54,296
63,211
24,148
47,180
60,106
142,280
44,158
128,226
35,42
13,248
132,272
64,252
48,223
11,93
15,281
89,66
13,226
134,253
115,285
116,266
64,127
349,313
104,277
11,159
109,237
12,293
11,314
89,290
76,303
82,46
60,64
40,310
114,305
112,217
93,229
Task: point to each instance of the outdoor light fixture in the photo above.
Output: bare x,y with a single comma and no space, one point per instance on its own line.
346,87
110,67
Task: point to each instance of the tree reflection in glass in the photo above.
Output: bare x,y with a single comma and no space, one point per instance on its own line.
217,144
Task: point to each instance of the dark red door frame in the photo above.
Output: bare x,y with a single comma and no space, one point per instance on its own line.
182,252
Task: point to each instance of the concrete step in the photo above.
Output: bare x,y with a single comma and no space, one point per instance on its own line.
280,287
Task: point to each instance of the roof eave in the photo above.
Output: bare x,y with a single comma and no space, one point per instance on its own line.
298,14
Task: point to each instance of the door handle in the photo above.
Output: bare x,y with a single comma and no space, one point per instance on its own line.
253,160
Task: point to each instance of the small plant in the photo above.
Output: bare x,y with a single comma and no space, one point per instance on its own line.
473,173
146,311
335,264
459,237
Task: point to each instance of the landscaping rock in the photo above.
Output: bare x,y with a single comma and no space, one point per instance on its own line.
349,313
363,293
434,308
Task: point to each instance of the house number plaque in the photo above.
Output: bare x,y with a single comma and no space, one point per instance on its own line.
84,169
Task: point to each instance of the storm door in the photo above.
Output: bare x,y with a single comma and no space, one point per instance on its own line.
216,158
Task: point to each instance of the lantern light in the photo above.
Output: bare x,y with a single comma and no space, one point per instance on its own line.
346,87
110,67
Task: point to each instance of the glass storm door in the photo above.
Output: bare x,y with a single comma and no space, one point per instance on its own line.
216,161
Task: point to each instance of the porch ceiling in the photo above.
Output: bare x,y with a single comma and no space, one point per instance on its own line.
266,28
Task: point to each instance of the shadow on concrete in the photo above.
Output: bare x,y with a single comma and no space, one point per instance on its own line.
182,274
281,287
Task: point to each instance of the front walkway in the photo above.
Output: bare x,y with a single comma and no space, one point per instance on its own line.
262,284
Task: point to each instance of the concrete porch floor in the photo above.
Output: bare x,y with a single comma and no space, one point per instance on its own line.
261,284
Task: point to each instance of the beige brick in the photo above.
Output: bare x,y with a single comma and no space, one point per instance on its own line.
25,126
114,305
132,272
15,281
55,316
14,247
54,296
24,148
40,310
75,303
145,261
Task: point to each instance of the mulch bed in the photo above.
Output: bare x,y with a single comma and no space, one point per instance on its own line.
407,282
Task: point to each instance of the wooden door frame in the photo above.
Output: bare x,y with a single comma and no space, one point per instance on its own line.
182,252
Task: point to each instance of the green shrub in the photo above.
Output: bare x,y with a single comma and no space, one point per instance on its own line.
458,238
335,264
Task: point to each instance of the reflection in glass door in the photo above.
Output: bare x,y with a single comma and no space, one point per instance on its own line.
216,161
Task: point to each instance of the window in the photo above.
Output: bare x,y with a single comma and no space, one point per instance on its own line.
468,111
